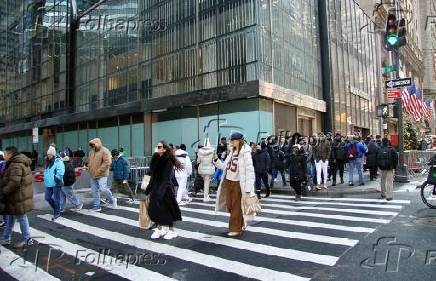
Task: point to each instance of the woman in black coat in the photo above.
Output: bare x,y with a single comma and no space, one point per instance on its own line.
163,208
371,159
297,166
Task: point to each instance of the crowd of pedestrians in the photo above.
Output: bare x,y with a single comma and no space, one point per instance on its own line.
240,170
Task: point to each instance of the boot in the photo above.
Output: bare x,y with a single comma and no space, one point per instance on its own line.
268,192
342,180
334,182
258,195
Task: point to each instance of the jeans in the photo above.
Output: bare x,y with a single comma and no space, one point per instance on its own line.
355,164
311,172
54,192
100,185
24,226
274,174
68,193
258,183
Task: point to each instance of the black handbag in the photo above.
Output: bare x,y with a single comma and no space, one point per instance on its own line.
431,178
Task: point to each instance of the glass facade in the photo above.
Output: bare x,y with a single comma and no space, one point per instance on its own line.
33,57
353,67
131,52
289,45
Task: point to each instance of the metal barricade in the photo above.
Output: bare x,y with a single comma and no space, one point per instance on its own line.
417,160
139,167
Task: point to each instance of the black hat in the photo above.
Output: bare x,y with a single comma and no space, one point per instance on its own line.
115,152
236,136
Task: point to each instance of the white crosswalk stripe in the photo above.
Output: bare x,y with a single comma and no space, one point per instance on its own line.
196,257
14,265
298,238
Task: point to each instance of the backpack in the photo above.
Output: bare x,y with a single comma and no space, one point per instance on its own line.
384,158
353,151
341,153
70,175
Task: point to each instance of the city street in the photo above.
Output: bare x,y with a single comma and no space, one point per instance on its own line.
319,238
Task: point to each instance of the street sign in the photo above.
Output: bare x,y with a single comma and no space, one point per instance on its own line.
389,69
394,94
398,83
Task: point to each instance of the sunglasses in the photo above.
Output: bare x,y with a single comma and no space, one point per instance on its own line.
159,146
92,145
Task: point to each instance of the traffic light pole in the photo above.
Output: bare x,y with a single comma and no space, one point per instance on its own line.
401,174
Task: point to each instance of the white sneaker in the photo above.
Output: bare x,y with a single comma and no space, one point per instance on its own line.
182,203
131,201
158,233
207,199
78,208
170,235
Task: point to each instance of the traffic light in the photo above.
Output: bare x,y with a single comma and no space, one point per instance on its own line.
395,35
383,110
391,35
401,33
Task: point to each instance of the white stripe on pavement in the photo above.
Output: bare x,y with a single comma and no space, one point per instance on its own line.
305,214
346,199
270,231
239,268
376,206
15,266
129,271
353,211
234,243
356,229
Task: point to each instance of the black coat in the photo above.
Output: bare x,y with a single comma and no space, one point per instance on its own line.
371,155
70,174
261,161
163,208
297,166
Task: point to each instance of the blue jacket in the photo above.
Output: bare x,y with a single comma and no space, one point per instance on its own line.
361,150
56,170
120,168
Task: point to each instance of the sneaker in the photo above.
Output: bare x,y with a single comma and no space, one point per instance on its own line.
361,184
114,204
103,202
55,217
388,199
182,203
158,233
233,234
63,210
317,188
131,201
207,199
95,209
297,198
382,196
5,242
170,235
79,207
22,244
2,224
351,184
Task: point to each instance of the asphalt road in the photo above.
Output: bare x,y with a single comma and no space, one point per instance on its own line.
356,237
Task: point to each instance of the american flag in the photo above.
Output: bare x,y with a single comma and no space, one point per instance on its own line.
427,109
412,103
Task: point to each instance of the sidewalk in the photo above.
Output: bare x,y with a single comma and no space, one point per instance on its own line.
344,189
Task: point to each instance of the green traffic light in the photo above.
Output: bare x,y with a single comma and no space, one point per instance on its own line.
392,39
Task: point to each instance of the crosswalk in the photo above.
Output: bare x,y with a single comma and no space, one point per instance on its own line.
288,241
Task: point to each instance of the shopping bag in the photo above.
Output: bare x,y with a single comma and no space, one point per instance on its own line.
250,205
144,218
145,182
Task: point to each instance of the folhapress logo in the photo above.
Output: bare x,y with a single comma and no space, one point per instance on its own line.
388,254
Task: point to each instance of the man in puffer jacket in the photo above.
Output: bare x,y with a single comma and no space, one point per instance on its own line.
182,175
121,169
261,163
16,188
99,163
206,168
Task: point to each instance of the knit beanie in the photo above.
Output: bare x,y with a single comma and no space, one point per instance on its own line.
51,151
